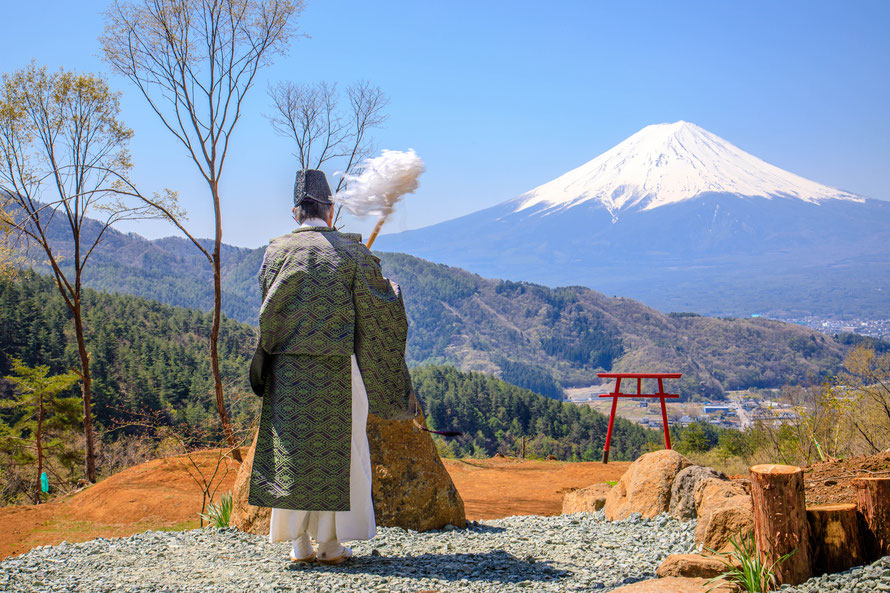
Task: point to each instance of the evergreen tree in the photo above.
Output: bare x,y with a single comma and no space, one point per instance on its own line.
46,419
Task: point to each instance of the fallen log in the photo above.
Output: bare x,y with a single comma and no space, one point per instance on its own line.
835,540
873,501
780,521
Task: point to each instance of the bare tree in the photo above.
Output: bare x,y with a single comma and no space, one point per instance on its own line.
194,62
323,131
866,381
63,161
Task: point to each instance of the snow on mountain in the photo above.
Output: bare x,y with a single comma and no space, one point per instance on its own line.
669,163
704,227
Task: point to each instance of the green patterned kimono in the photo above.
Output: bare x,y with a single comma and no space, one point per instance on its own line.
324,298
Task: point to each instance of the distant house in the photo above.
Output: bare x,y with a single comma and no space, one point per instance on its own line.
685,420
715,409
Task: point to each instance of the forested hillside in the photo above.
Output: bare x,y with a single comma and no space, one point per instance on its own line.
536,337
496,417
170,270
544,338
150,357
146,357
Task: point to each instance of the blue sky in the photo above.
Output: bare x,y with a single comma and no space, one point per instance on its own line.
499,97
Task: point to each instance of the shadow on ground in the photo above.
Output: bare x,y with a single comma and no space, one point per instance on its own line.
496,566
482,528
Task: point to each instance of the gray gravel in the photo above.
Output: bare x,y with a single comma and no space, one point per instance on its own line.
581,552
563,553
873,578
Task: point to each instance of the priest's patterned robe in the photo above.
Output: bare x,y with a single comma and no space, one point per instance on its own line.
324,299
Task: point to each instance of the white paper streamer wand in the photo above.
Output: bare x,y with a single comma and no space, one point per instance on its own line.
381,184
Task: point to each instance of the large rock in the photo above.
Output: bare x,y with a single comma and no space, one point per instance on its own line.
683,490
724,509
645,487
244,516
586,500
674,585
411,487
696,566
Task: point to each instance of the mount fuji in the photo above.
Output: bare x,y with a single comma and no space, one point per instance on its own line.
683,220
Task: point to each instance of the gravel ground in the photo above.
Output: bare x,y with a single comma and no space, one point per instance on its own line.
562,553
872,578
579,552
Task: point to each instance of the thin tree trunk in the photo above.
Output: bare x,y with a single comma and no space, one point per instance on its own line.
214,331
87,390
39,450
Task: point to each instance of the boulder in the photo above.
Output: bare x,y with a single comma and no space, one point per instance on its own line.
697,566
645,487
586,500
683,490
410,486
724,509
244,516
674,585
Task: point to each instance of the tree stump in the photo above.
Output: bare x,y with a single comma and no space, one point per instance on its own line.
835,540
873,500
780,521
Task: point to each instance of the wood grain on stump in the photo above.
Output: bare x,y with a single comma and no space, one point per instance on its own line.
873,500
780,521
835,539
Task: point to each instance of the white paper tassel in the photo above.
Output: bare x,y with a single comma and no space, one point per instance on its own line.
382,182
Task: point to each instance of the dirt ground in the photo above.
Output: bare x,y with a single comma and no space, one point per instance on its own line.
161,495
154,495
504,486
830,482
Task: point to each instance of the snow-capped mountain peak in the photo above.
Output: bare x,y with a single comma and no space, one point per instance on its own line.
668,163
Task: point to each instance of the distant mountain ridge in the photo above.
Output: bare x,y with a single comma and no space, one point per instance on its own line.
532,336
684,221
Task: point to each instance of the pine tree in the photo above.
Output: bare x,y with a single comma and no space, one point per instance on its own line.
45,417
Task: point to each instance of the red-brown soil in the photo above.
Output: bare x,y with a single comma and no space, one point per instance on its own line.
504,486
161,495
830,482
154,495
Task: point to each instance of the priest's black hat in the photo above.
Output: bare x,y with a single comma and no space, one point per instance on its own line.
312,185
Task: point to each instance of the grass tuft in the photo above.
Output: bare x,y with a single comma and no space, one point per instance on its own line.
219,514
745,568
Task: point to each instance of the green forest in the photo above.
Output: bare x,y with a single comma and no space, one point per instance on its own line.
146,357
497,417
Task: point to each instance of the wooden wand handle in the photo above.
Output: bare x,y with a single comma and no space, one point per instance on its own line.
375,232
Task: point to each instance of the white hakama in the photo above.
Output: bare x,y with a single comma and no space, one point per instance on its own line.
330,526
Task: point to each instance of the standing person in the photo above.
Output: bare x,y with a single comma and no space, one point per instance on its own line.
332,345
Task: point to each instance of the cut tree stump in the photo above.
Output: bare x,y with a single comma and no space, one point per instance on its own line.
780,521
835,540
873,500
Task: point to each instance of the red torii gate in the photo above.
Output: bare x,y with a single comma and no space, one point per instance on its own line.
617,393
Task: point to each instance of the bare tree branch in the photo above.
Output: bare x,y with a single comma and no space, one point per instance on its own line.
194,61
322,130
64,150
